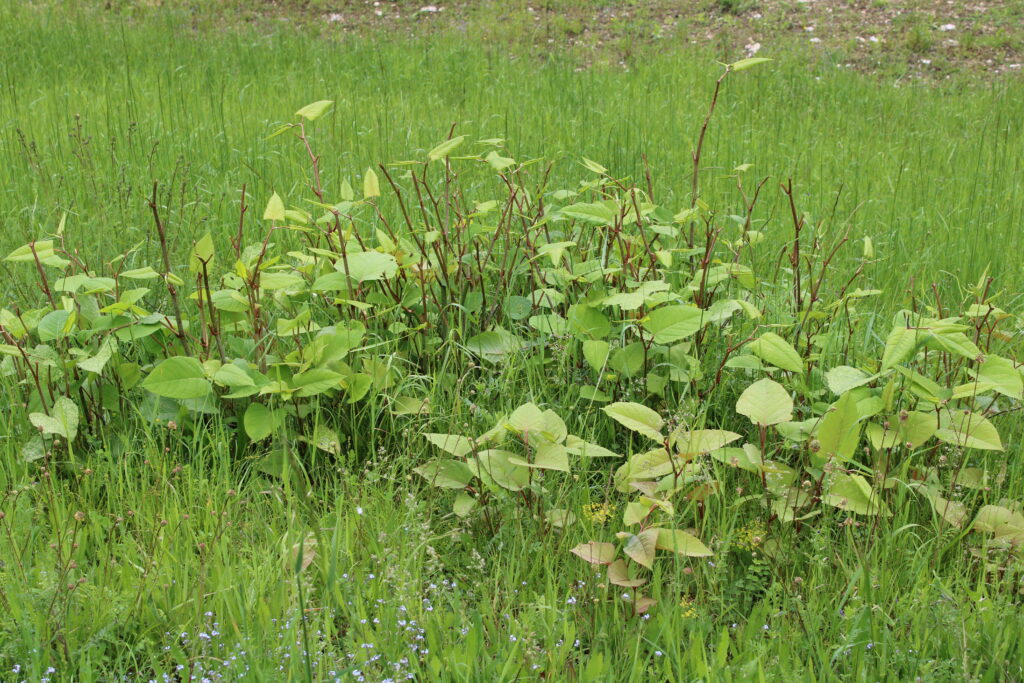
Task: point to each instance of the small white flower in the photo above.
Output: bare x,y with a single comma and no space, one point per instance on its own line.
948,27
359,510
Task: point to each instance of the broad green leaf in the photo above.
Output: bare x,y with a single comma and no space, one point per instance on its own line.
638,418
493,465
96,363
275,209
314,110
464,504
1002,375
498,162
698,441
899,346
640,547
839,432
315,381
368,266
597,213
595,351
618,574
670,324
773,349
445,473
546,456
260,422
527,419
62,420
968,430
445,148
371,186
494,345
681,542
202,252
765,402
842,378
595,552
588,321
853,493
178,377
457,445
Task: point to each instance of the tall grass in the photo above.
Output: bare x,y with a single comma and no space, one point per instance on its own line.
93,110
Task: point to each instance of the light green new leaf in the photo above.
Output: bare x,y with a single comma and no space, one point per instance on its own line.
839,432
178,377
62,420
595,552
455,444
371,186
670,324
773,349
314,110
899,346
968,430
595,351
275,209
368,266
1001,374
681,542
765,402
445,148
446,474
842,378
202,252
852,492
747,63
638,418
640,547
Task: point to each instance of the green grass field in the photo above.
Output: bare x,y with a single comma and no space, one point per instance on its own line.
228,477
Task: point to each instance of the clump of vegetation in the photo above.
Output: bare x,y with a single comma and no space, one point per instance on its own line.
585,370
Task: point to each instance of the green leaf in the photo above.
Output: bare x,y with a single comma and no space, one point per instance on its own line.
1002,375
445,148
839,432
595,552
899,346
494,345
595,351
842,378
315,381
697,441
640,547
670,324
457,445
369,266
596,213
773,349
588,321
498,162
260,422
275,209
313,111
765,402
968,430
96,363
178,377
853,493
371,186
638,418
201,252
445,473
744,64
546,456
62,420
618,574
681,542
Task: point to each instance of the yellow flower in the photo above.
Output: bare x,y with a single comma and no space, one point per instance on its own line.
598,513
688,611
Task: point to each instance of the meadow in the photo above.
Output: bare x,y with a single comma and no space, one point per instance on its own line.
438,358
